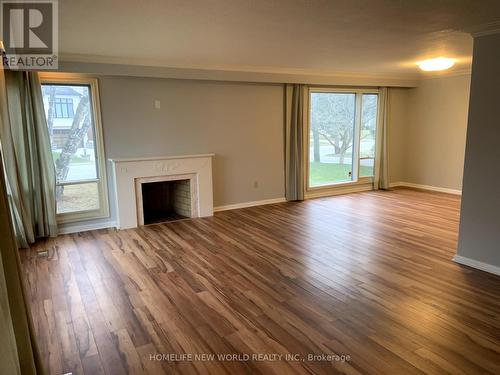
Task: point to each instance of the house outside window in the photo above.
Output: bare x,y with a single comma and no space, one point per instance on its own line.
63,107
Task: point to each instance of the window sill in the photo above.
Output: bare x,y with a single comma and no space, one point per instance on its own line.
73,217
364,184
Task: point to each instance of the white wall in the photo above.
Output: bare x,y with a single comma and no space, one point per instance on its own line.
428,131
479,238
242,123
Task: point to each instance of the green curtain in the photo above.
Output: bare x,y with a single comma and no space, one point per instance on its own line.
18,350
381,180
295,112
30,171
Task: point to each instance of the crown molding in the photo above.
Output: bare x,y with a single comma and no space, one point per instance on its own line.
86,64
488,28
112,66
79,58
451,74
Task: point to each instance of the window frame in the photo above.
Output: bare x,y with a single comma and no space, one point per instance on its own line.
101,179
332,188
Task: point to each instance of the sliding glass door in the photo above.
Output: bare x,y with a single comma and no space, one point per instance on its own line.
342,136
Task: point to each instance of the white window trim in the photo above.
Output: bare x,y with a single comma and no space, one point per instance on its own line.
102,183
362,183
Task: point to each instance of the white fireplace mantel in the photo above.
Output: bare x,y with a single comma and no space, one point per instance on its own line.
127,170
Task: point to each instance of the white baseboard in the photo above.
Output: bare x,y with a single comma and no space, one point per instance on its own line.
249,204
477,264
83,227
426,187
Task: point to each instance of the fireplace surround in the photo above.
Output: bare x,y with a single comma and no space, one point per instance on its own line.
129,174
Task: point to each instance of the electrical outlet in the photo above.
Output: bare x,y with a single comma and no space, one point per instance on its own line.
256,184
157,104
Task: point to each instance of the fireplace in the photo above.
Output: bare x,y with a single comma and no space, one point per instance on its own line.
166,201
139,200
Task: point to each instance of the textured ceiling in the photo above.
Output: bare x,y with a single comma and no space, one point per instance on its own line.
321,36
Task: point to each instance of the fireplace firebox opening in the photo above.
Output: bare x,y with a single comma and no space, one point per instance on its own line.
164,201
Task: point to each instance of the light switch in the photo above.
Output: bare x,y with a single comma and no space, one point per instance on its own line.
157,104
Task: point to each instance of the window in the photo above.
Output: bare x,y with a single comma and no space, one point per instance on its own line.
63,108
342,136
73,117
368,132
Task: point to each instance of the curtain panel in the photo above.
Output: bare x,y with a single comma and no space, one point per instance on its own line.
29,168
381,180
18,348
295,127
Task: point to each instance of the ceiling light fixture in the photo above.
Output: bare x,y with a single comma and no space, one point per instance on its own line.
434,65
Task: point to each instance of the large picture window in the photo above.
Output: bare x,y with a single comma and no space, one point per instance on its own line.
342,137
73,118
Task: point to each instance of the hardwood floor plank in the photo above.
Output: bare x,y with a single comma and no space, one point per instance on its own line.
364,278
92,365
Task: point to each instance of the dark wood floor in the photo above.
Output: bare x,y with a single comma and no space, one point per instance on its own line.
368,276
